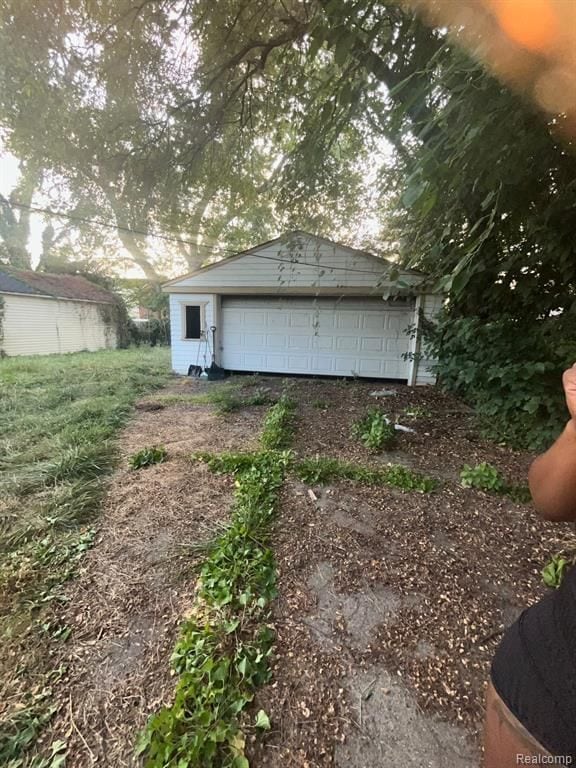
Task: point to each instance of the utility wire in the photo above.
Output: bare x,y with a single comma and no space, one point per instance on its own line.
182,241
117,227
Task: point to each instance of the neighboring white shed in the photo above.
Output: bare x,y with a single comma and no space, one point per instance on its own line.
43,314
301,304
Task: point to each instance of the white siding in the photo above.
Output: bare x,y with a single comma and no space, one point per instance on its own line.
320,265
35,325
187,352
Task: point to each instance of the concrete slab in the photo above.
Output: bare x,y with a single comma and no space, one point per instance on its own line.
390,730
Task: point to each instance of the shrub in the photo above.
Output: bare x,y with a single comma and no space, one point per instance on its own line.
509,370
375,431
146,457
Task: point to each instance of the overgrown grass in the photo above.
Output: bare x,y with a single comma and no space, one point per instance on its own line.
322,470
59,416
223,649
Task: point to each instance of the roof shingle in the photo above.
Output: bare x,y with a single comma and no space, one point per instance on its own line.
75,287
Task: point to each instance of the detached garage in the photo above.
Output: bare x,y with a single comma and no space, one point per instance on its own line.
300,304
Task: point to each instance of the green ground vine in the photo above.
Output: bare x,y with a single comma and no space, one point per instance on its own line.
222,654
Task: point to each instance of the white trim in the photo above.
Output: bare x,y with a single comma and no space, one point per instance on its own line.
202,307
415,344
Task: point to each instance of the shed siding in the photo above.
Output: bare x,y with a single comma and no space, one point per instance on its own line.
35,325
320,266
187,352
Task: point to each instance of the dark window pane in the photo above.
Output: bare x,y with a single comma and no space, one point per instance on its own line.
193,322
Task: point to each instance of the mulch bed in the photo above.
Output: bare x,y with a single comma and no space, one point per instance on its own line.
451,569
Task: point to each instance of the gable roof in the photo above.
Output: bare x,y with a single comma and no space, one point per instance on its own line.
285,239
73,287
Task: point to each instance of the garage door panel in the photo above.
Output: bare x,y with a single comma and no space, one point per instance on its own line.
277,319
347,344
254,362
253,319
254,340
370,367
321,336
372,344
395,321
276,340
347,321
322,365
323,343
396,346
301,319
299,362
301,342
373,321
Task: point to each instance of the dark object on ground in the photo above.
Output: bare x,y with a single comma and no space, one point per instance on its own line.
215,372
149,406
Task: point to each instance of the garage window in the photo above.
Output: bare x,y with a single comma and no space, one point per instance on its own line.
193,321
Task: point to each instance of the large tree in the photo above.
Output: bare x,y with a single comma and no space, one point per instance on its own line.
157,118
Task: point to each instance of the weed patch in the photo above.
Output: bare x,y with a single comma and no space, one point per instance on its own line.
279,424
147,457
222,654
375,431
321,471
553,573
486,477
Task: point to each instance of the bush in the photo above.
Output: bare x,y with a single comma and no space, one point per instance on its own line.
509,370
153,332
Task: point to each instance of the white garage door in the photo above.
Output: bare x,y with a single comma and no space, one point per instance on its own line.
345,337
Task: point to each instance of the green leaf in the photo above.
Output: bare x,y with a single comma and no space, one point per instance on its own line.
240,762
343,47
262,720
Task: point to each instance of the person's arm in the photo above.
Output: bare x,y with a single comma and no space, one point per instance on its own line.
552,476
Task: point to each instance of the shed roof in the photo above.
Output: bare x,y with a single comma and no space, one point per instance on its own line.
73,287
325,266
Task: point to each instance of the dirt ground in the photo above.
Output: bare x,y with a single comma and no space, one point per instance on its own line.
136,584
390,604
